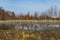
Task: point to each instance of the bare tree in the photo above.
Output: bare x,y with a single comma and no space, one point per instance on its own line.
59,12
50,11
13,13
28,14
35,15
2,11
55,11
44,15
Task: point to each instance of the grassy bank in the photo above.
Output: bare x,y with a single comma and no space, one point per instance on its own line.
30,22
17,34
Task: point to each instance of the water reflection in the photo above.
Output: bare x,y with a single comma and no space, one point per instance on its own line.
37,26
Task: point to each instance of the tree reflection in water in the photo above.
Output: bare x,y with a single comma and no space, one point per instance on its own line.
38,26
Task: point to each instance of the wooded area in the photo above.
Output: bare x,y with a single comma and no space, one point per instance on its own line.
51,13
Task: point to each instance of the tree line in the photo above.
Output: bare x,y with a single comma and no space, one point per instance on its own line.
50,14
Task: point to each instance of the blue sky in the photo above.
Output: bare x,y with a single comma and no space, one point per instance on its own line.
23,6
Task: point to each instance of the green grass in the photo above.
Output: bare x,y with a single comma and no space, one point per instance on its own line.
30,21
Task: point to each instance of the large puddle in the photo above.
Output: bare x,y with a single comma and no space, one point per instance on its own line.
37,26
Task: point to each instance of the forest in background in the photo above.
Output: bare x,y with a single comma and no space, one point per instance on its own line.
50,14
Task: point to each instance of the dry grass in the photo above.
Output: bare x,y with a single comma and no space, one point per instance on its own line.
17,34
8,22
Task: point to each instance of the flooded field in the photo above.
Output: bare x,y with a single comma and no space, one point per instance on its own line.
36,27
31,32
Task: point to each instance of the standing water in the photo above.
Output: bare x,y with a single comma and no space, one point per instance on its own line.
37,26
